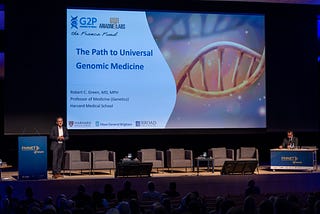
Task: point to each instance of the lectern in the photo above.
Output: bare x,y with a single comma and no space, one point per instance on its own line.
32,157
294,159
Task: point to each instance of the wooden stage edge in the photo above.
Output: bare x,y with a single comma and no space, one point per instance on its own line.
206,183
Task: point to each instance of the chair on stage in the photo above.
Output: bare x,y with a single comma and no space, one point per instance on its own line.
156,157
248,154
179,158
220,155
103,159
77,160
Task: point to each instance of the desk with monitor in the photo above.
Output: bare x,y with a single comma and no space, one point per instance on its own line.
293,159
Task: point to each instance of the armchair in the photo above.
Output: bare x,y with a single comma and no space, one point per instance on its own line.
103,159
156,157
220,155
77,160
179,158
248,154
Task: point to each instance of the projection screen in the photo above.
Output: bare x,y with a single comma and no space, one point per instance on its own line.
164,70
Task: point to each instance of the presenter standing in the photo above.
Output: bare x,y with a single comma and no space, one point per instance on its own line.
290,142
58,136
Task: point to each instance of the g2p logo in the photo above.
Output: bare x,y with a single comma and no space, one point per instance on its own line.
74,22
88,22
83,22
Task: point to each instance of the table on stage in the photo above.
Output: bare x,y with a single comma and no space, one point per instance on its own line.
209,161
3,166
293,159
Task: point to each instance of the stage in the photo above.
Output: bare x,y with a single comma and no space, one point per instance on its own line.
208,184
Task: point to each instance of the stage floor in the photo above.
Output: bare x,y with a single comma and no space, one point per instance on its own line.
206,183
10,175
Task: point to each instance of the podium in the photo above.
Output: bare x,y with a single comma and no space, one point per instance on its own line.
293,159
32,155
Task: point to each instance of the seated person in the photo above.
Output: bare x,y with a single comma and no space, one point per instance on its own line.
289,142
252,189
172,191
151,193
127,193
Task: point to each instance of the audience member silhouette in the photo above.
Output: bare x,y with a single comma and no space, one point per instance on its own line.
249,205
225,205
9,204
61,203
316,207
134,206
166,203
126,194
265,207
252,189
82,199
113,211
151,193
37,210
98,202
172,191
236,210
219,200
191,202
281,206
48,206
310,201
28,202
158,208
294,203
124,207
108,192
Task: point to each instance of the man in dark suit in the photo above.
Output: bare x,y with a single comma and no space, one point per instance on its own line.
58,135
290,142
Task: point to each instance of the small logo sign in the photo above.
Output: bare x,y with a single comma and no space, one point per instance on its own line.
71,122
74,22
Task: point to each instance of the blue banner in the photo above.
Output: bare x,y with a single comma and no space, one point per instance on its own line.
32,157
292,159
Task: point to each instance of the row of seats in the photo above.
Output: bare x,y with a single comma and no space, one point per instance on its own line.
81,160
222,154
175,158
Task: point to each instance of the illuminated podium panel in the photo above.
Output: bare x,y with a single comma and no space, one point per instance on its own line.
293,159
32,152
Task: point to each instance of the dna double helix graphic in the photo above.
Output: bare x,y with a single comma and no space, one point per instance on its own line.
221,69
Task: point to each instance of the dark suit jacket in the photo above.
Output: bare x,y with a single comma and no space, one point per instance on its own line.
54,134
286,142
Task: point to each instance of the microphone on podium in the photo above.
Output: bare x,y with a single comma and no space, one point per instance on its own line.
36,131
